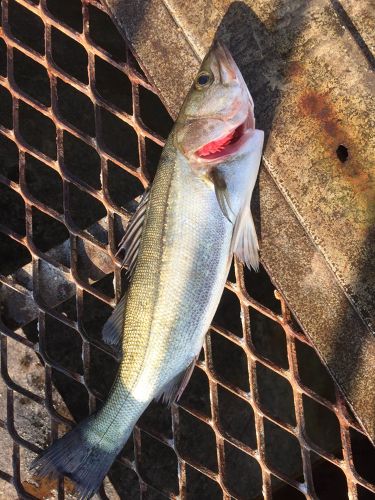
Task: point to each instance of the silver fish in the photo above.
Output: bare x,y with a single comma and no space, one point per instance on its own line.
178,248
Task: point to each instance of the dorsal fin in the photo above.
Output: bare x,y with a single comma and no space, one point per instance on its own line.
132,237
244,239
114,326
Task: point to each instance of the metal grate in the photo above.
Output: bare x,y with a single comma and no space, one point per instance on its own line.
81,131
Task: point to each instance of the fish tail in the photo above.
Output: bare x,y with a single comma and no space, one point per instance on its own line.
84,454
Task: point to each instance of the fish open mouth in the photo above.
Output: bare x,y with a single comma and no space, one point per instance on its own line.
223,146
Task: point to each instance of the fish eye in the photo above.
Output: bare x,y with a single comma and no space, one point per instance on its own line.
203,80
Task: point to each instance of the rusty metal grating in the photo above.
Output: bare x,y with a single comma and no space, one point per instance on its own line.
81,131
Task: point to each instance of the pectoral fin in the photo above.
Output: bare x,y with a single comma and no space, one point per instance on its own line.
221,192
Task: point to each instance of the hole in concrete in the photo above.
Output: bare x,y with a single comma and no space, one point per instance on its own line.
76,108
69,55
342,153
26,26
32,78
37,130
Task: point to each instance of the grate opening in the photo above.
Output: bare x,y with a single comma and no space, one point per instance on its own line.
153,153
27,27
68,101
103,33
228,314
275,395
364,493
14,255
280,444
242,474
119,182
260,288
196,394
8,159
6,118
196,440
119,138
38,176
37,130
200,486
329,480
153,113
13,219
68,12
31,78
113,85
69,55
157,420
236,418
229,361
3,57
47,231
81,160
283,491
363,456
84,209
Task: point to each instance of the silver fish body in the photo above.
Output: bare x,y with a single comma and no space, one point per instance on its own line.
186,245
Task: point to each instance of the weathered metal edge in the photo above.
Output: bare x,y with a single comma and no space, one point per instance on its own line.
341,338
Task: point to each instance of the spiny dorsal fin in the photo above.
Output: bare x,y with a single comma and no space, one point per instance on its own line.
114,326
173,390
132,237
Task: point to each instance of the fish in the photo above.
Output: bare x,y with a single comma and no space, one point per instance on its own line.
177,248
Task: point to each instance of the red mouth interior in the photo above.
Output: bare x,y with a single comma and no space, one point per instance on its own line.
219,146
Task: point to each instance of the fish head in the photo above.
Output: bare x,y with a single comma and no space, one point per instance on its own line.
217,117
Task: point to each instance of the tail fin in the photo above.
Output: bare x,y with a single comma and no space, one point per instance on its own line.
82,455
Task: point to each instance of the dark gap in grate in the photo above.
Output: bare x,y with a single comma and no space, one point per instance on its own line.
105,285
14,218
32,78
363,455
153,153
13,255
228,314
68,308
103,369
69,55
329,481
268,338
84,209
242,473
124,481
313,373
37,130
104,33
135,65
1,13
275,395
151,494
38,176
8,158
47,231
279,445
123,187
236,417
283,491
26,26
153,112
261,288
119,138
230,361
6,117
158,418
31,331
113,85
196,440
3,57
322,426
63,345
200,486
95,314
76,108
82,160
73,393
158,465
88,260
364,493
69,12
196,395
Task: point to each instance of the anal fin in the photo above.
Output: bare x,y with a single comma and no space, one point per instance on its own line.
114,326
173,390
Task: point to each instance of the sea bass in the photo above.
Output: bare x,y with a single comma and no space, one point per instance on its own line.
178,248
